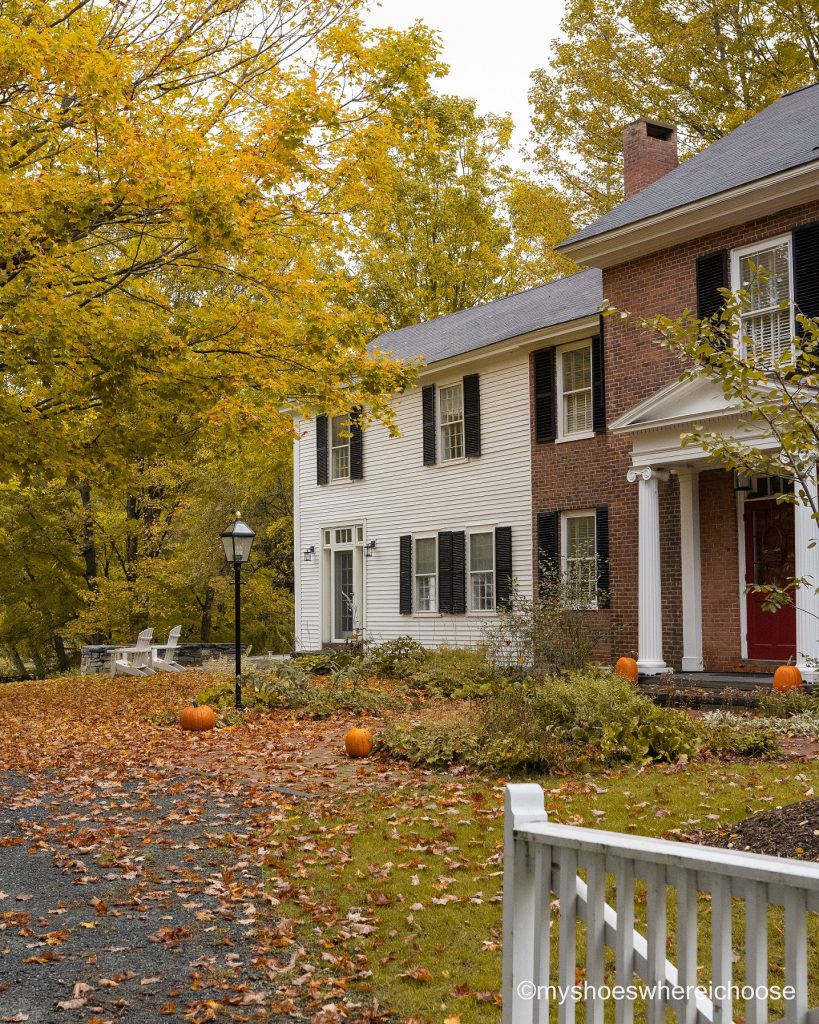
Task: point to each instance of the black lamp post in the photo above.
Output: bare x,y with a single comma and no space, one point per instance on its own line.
237,542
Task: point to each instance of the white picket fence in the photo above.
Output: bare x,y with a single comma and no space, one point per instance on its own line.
541,862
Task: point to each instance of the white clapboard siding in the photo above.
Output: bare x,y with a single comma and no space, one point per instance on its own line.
399,495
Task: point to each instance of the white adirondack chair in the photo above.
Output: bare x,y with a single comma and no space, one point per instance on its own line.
163,654
136,660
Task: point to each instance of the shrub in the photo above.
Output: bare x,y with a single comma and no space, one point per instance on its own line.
323,663
729,734
599,712
554,633
285,685
396,659
550,724
428,744
460,672
791,702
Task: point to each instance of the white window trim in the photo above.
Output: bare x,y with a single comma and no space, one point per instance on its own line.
440,423
333,478
480,612
432,612
581,435
746,250
580,513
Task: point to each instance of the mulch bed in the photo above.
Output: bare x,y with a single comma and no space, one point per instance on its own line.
790,831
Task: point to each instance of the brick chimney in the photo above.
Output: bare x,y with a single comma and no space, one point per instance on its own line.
649,152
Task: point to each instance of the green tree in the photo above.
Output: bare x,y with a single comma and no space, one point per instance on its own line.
444,223
703,65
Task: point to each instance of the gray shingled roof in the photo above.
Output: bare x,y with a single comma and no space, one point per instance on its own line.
549,304
784,135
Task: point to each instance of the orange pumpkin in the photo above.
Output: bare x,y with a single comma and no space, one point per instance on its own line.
198,718
358,742
627,668
787,677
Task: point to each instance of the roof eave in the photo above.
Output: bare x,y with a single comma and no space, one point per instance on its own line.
703,217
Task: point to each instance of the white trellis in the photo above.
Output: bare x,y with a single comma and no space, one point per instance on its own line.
542,859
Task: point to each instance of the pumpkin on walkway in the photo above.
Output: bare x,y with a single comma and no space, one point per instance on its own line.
787,677
358,742
197,718
627,668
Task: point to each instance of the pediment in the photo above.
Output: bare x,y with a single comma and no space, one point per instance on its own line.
681,402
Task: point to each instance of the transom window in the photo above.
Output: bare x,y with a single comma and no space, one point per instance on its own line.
574,368
764,273
580,558
426,574
340,447
482,571
452,422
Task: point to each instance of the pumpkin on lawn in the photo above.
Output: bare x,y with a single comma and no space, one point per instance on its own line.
627,667
198,718
358,742
787,677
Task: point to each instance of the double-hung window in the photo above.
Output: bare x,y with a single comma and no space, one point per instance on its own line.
451,404
340,448
574,388
482,571
426,574
763,272
580,558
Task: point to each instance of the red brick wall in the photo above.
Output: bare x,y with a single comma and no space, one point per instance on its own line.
719,557
585,474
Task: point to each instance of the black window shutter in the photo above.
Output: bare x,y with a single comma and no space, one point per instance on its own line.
356,445
548,548
545,397
321,449
405,575
459,572
602,539
503,567
598,383
712,274
472,415
806,269
428,412
445,571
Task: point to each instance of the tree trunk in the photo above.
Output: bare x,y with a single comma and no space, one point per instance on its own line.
89,547
59,650
207,615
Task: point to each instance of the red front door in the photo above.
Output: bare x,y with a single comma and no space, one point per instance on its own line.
769,558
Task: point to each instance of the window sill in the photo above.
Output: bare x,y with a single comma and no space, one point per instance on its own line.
585,436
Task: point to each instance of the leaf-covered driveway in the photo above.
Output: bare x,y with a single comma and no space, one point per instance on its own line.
131,856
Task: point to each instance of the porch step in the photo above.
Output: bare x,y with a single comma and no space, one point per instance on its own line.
713,680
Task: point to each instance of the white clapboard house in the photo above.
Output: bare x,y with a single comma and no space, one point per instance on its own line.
423,534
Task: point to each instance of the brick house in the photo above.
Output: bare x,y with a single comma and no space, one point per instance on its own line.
684,538
539,430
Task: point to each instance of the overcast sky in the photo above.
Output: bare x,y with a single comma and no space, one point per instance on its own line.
491,47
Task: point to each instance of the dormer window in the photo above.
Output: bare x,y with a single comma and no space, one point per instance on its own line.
763,272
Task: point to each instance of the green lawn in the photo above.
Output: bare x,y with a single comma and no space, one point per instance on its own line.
422,868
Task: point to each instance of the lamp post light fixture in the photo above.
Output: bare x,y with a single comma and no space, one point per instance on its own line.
237,542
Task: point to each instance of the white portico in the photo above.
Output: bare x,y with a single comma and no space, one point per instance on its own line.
772,541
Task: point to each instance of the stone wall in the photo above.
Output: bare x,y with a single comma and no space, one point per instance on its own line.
96,659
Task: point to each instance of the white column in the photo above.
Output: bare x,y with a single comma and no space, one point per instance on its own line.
649,585
690,569
807,600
